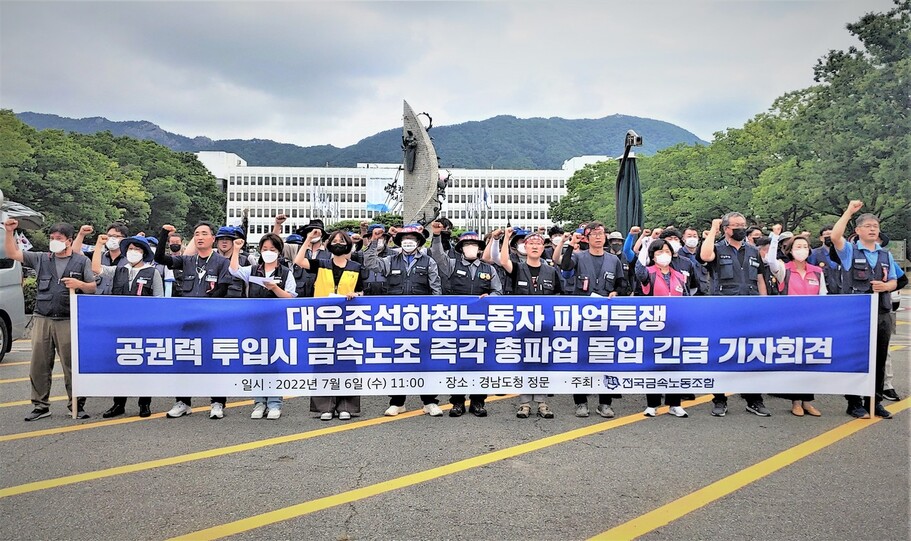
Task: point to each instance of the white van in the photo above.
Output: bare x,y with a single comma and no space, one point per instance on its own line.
12,303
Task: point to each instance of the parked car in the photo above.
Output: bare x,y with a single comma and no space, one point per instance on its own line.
12,303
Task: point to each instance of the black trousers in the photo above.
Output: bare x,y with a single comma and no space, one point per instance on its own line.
750,398
460,398
883,336
143,400
399,399
602,399
186,399
801,397
654,400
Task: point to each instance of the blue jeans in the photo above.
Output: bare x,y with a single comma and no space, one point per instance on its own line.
272,402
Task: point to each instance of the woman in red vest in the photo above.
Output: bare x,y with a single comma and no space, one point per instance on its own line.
796,277
660,280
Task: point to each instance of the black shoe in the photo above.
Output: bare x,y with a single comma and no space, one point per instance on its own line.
38,413
890,394
857,411
457,410
144,410
80,413
687,397
880,411
477,409
114,411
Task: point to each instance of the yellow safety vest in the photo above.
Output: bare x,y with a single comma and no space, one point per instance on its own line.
325,283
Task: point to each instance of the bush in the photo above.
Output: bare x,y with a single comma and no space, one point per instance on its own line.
29,288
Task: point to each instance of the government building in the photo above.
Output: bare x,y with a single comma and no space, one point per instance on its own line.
475,198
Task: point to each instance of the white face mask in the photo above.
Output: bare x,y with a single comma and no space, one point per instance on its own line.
316,240
133,256
113,243
663,259
521,249
409,245
380,244
56,246
675,245
470,251
555,239
692,242
800,254
269,256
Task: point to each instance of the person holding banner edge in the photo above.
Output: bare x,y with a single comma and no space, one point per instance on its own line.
205,274
870,271
59,271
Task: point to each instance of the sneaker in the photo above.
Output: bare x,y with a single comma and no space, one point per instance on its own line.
544,412
604,410
433,410
179,409
217,411
80,413
477,409
258,410
457,410
392,411
677,411
649,412
582,410
274,413
880,411
344,416
758,408
524,411
38,413
325,416
857,411
719,409
890,394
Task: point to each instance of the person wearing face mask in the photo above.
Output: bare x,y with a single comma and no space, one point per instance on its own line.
277,283
466,275
336,276
112,255
681,264
600,273
311,248
409,272
58,271
660,279
734,266
376,281
530,276
826,258
753,234
554,236
138,277
796,277
205,274
690,250
173,277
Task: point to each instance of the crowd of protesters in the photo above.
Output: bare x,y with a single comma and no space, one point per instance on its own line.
729,258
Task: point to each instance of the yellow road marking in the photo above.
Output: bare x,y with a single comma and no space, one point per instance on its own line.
29,402
896,348
319,504
17,363
680,507
211,453
19,380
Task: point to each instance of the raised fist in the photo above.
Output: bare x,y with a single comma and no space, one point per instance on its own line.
635,230
377,234
102,239
11,224
86,230
436,227
238,243
169,228
716,224
280,219
855,206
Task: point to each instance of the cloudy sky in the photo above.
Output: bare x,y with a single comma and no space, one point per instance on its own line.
335,72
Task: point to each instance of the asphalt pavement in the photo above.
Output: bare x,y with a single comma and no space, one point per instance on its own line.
416,477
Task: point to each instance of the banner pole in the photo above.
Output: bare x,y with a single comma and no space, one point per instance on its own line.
74,350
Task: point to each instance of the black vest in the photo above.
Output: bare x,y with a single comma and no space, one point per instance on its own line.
461,283
191,285
304,280
861,274
121,284
104,286
547,283
602,281
52,298
401,281
730,277
256,291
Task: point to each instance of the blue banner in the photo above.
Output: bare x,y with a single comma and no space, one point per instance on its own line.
397,345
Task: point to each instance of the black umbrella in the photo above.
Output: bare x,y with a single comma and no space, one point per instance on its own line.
629,193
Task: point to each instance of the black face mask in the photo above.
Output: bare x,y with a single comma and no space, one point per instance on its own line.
338,249
583,246
739,234
174,247
616,247
827,242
